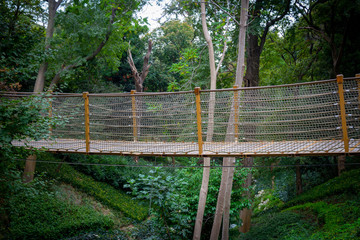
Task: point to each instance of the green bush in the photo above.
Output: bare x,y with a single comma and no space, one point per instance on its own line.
335,221
348,182
283,225
35,212
102,192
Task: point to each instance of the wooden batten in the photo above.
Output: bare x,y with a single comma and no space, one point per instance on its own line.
236,113
133,107
340,81
87,121
198,119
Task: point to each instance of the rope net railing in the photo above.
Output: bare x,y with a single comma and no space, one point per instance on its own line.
312,118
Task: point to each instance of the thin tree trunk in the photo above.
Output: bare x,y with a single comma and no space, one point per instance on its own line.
341,164
40,79
226,215
220,201
240,67
298,178
210,130
239,82
245,214
29,170
139,79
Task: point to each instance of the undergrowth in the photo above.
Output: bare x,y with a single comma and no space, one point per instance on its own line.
328,211
106,194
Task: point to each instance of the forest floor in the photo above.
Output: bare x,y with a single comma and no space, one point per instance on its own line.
328,211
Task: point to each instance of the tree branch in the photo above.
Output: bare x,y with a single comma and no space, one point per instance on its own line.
272,22
77,64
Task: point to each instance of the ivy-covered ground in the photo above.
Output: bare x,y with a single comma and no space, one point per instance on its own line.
328,211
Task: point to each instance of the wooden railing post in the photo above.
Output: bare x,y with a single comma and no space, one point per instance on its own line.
236,113
357,76
50,112
87,121
198,119
133,107
340,80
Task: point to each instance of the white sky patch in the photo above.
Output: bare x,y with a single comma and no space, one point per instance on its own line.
153,12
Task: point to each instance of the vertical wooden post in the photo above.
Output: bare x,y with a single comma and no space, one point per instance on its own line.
87,121
236,113
357,76
198,119
50,112
133,103
340,81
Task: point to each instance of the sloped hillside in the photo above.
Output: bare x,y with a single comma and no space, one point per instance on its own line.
328,211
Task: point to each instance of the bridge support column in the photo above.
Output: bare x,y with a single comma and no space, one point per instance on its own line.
198,119
87,121
236,113
340,81
133,108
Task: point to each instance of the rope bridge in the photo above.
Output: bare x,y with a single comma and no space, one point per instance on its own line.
316,118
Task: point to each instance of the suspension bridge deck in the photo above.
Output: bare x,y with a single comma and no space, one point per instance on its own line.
316,118
242,149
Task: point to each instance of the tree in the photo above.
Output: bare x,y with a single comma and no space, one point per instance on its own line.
331,21
210,126
20,36
73,44
40,79
139,78
262,17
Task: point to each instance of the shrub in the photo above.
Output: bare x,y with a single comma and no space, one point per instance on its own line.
102,192
348,182
283,225
36,213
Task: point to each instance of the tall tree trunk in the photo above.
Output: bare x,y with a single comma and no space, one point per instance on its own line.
29,171
139,79
252,61
210,130
245,214
30,164
40,79
341,164
240,67
226,215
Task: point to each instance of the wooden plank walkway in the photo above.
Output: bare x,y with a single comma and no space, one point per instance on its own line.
210,149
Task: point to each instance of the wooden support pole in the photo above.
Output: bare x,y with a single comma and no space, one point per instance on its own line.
340,80
133,104
236,113
198,119
87,121
357,76
50,113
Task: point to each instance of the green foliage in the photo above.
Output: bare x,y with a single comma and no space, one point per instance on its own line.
20,38
175,196
24,118
265,200
335,221
36,212
104,193
283,225
115,176
329,211
101,234
348,182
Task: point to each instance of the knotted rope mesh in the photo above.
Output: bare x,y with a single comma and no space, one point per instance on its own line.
288,119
